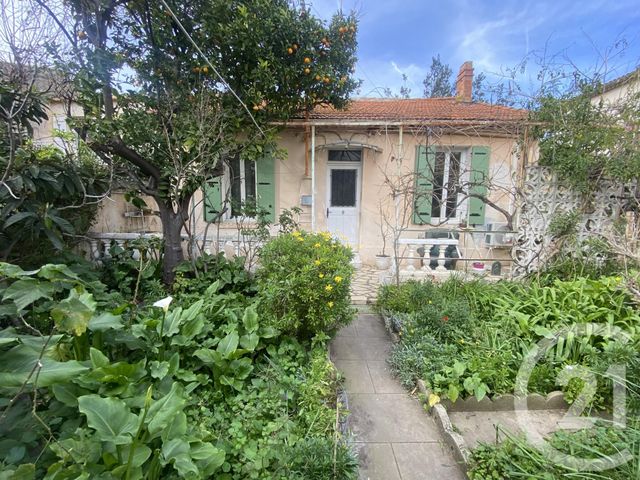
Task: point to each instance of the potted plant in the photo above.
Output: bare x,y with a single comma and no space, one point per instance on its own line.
383,261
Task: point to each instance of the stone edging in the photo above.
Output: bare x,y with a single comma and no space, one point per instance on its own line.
452,438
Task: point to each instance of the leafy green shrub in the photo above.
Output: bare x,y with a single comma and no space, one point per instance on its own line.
406,297
134,277
304,283
200,390
231,275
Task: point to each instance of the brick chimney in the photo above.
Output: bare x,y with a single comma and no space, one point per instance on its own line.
464,82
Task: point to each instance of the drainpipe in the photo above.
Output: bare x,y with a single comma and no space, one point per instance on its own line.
313,178
306,146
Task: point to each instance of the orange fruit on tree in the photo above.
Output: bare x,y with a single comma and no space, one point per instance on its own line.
295,46
307,60
318,77
326,80
290,50
307,71
205,69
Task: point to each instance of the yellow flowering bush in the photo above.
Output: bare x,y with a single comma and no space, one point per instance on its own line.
304,284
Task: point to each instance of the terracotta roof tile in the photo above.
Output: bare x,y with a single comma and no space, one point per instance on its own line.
419,109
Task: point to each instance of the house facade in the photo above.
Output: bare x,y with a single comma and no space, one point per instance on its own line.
379,172
387,168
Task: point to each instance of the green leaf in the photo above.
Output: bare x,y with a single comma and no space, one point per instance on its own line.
17,365
105,321
241,368
26,291
140,455
98,359
250,319
228,345
208,356
171,323
68,393
481,391
18,217
72,314
159,370
459,368
208,458
178,452
163,410
249,342
453,393
110,418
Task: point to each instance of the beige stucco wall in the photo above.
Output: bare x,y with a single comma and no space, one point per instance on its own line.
291,182
391,157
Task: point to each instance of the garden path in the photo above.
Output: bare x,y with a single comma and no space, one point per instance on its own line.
394,437
364,285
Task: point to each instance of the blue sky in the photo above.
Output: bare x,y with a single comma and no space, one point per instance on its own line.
401,36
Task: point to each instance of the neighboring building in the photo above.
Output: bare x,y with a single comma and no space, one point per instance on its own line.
620,89
340,164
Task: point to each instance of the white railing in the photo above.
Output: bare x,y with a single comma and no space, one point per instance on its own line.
409,263
100,244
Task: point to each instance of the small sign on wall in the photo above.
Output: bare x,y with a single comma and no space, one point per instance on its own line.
306,200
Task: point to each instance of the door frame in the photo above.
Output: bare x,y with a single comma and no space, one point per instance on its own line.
346,166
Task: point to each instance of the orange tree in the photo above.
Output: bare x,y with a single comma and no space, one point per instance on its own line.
154,105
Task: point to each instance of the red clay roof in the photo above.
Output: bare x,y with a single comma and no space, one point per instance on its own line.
419,109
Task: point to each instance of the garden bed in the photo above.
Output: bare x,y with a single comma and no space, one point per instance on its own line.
463,343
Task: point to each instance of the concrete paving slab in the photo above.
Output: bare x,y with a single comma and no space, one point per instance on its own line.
357,348
370,326
377,461
426,461
348,331
357,378
382,378
390,418
476,427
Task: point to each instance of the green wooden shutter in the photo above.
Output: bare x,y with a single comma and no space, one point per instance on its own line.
212,199
478,184
266,186
425,162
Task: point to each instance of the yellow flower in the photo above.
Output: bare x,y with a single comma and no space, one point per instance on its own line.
317,245
429,302
337,279
296,233
328,288
317,262
321,275
300,239
330,304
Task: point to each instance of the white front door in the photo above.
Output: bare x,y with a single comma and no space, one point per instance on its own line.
343,202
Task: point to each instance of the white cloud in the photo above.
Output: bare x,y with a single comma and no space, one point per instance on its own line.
378,75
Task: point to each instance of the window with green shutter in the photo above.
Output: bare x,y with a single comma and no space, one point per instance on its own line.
425,161
478,185
212,199
266,188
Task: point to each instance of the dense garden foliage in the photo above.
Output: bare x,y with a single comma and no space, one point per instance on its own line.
203,384
472,338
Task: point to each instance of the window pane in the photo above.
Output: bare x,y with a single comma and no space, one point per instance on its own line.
345,155
236,191
453,186
250,179
438,183
343,188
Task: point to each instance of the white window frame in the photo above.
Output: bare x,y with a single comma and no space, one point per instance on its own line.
226,187
462,201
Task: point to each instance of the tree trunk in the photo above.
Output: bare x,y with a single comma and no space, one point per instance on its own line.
172,223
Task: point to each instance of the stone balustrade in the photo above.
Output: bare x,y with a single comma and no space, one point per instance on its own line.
411,264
